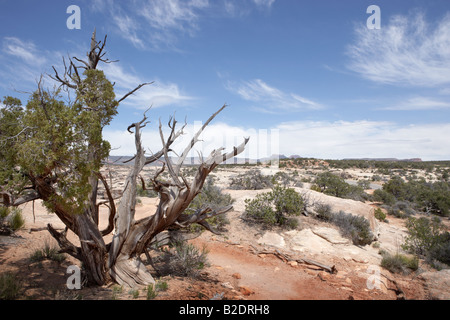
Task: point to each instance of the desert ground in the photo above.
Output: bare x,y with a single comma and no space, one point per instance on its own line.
246,261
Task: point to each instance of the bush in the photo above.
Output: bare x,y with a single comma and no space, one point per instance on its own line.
383,197
47,252
213,197
401,209
426,239
379,214
333,185
275,207
140,192
251,180
16,220
357,228
399,263
11,219
10,286
324,212
188,260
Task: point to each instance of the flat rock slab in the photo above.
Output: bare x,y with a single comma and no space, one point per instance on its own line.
306,241
331,235
272,239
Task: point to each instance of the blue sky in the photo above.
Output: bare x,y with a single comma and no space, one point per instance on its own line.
309,73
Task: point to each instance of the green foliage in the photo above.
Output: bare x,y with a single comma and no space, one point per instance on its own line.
324,212
425,236
383,196
10,286
140,192
161,286
275,207
54,140
379,214
424,196
151,292
47,253
213,197
188,260
356,228
333,185
399,263
251,180
11,219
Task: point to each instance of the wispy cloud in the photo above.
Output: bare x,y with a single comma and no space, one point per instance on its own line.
159,94
264,3
24,50
407,50
155,24
160,24
419,103
271,99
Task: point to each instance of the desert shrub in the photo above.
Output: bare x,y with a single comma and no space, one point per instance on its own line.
10,286
276,207
188,260
427,197
315,187
140,192
324,212
399,263
379,214
365,184
285,179
356,228
213,197
428,238
336,186
331,184
151,292
251,180
11,219
383,196
16,220
4,211
47,253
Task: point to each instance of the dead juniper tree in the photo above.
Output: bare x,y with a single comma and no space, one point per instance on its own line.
53,151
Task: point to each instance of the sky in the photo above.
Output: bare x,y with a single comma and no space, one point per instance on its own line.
307,78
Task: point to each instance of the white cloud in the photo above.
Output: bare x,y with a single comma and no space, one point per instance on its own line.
326,140
361,139
26,51
264,3
271,99
420,103
407,50
158,94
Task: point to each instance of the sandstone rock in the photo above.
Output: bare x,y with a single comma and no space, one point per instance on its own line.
438,283
227,285
236,275
272,239
307,240
246,291
293,263
331,235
